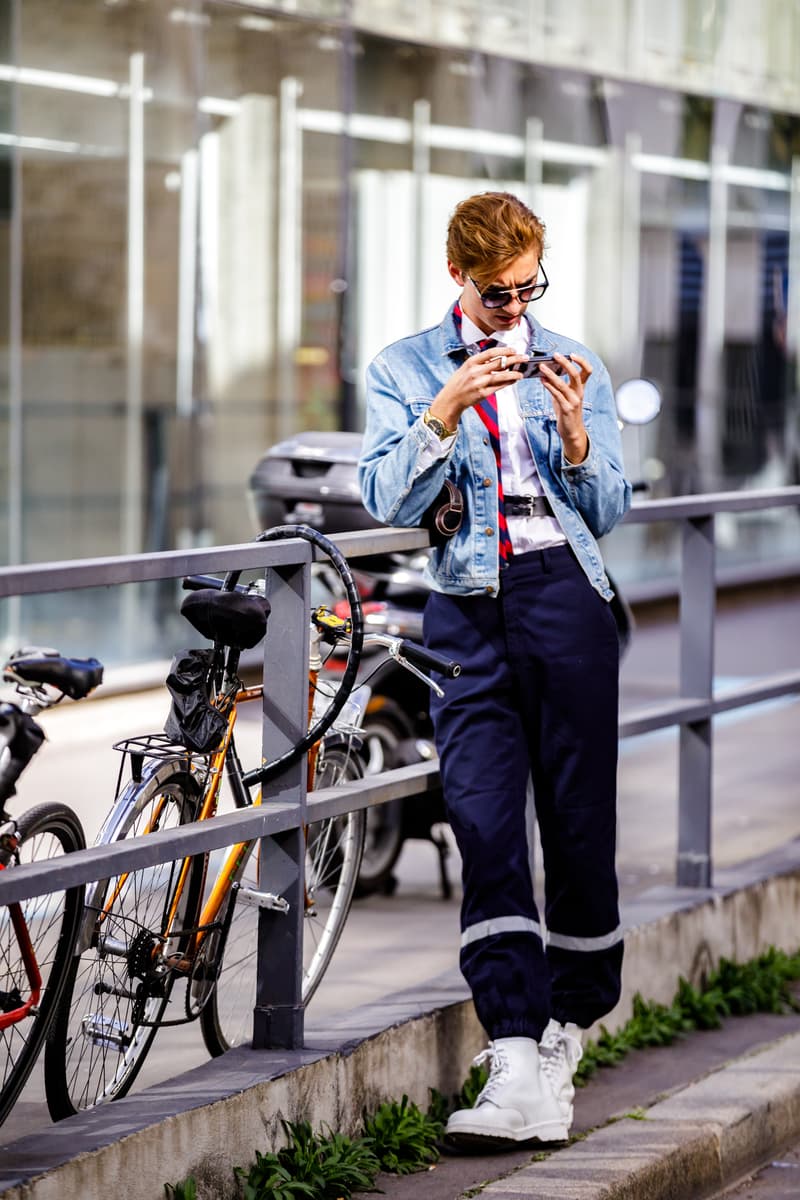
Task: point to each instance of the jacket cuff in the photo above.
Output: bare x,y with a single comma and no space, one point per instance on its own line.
577,472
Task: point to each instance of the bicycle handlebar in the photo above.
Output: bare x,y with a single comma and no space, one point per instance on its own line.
429,659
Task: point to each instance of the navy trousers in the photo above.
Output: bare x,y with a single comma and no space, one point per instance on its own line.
536,700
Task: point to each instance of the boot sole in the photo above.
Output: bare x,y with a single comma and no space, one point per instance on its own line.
481,1139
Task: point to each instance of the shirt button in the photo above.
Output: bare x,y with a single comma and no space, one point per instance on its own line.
490,589
486,441
487,483
489,531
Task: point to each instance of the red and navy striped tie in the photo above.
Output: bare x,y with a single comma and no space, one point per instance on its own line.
487,411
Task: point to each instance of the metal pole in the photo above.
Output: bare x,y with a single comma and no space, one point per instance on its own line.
697,608
793,288
534,132
16,426
278,1019
132,525
421,167
289,254
713,325
631,221
187,275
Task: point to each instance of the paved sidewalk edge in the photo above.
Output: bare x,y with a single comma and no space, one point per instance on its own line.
702,1138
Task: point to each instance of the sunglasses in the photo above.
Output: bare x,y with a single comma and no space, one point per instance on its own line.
494,297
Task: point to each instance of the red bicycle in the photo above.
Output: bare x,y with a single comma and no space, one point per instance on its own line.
37,936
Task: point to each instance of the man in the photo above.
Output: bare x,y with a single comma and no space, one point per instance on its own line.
520,600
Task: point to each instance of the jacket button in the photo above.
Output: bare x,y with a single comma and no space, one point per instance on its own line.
490,589
487,483
489,531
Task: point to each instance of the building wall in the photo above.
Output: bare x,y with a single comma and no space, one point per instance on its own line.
192,271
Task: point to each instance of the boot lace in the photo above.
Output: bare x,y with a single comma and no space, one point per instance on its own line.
498,1070
561,1053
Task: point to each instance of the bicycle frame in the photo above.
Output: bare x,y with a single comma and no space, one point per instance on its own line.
225,757
24,1009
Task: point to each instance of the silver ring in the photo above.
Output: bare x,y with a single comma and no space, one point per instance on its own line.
502,362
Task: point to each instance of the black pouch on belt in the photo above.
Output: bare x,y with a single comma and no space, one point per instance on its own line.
443,518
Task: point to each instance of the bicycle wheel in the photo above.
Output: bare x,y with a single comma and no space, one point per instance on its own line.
333,854
116,995
51,924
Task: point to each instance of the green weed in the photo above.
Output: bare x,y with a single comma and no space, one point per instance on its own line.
733,989
186,1189
321,1168
402,1137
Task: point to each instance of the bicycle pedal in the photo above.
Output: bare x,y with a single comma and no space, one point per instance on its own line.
106,1032
251,896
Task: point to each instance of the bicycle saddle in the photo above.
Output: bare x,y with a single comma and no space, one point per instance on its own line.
231,618
75,677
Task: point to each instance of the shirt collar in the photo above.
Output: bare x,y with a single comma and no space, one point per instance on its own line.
452,342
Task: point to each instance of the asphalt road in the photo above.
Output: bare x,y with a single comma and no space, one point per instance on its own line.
397,941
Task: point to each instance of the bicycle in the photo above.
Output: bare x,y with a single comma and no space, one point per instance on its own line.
145,931
37,936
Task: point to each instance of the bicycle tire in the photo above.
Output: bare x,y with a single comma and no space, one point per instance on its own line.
52,923
98,1043
333,855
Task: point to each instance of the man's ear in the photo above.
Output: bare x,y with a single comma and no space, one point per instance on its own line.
456,274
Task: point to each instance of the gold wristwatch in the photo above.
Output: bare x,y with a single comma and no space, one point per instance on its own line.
437,425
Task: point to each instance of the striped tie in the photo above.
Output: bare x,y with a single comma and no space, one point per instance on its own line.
487,411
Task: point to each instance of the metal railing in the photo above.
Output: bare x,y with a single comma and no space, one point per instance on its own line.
279,1011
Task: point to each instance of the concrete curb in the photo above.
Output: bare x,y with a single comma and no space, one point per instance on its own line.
703,1138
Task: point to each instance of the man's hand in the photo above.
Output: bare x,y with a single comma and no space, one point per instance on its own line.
480,376
567,394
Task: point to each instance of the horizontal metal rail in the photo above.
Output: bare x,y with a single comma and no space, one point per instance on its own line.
692,711
197,837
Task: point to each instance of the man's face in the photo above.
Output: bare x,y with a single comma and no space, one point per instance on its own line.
521,272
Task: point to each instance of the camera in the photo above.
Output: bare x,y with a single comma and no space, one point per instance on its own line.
530,369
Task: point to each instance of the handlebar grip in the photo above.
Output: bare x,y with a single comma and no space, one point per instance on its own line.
430,659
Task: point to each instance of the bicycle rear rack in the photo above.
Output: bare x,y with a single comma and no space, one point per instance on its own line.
158,746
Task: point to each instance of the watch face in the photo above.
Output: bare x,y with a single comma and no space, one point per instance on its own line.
438,427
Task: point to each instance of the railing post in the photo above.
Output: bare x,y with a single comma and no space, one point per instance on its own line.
278,1019
697,609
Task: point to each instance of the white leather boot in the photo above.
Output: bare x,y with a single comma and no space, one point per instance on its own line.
517,1103
560,1051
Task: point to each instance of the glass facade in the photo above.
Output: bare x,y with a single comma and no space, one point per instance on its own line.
213,214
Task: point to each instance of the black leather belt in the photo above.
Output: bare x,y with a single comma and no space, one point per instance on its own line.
527,506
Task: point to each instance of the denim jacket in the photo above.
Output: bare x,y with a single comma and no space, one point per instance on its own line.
587,499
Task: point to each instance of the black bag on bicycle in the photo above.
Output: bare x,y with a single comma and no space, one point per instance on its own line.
193,721
26,739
